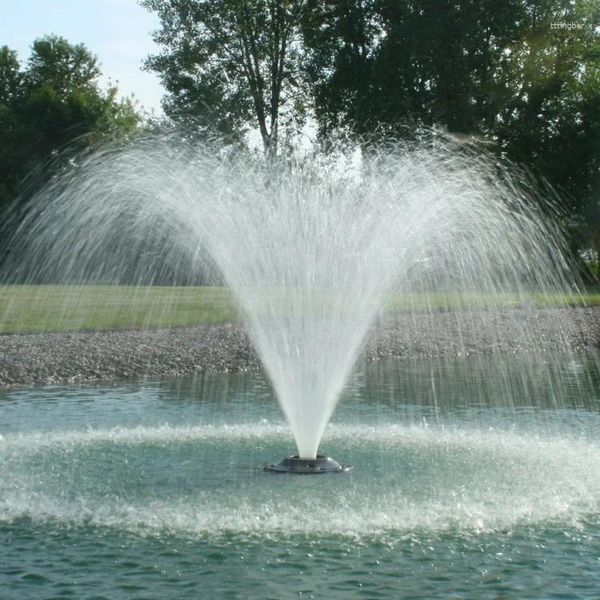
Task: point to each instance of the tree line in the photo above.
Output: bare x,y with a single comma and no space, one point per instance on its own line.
520,76
51,108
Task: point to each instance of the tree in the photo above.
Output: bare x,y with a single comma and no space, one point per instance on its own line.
10,77
55,102
232,63
339,42
549,114
63,66
399,61
11,92
506,72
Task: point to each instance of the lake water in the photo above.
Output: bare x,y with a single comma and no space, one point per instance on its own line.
470,481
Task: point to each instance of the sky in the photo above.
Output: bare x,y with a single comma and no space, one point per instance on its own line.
116,31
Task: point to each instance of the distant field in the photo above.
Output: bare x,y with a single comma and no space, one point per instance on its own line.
47,308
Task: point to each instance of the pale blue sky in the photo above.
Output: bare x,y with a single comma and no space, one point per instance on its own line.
117,31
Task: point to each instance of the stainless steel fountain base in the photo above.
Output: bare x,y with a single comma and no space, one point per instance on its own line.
308,466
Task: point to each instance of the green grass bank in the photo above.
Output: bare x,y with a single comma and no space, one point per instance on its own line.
53,308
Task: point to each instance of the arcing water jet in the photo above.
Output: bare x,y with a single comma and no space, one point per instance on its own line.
312,246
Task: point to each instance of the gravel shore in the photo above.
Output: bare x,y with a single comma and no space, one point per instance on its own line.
84,357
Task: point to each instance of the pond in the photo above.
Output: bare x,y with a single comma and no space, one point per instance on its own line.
469,480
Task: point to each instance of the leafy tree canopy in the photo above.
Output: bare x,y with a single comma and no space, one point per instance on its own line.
232,64
55,101
523,75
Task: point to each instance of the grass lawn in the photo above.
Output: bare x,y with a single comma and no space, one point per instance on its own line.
46,308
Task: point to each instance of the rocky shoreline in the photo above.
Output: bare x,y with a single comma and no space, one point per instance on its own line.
86,357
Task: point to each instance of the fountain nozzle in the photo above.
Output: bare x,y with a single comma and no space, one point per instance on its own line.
308,466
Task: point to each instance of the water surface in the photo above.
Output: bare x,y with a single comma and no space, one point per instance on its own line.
470,481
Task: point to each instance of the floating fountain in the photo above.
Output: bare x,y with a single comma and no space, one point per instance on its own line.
313,245
308,466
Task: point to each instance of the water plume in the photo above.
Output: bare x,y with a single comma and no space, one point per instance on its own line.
312,244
